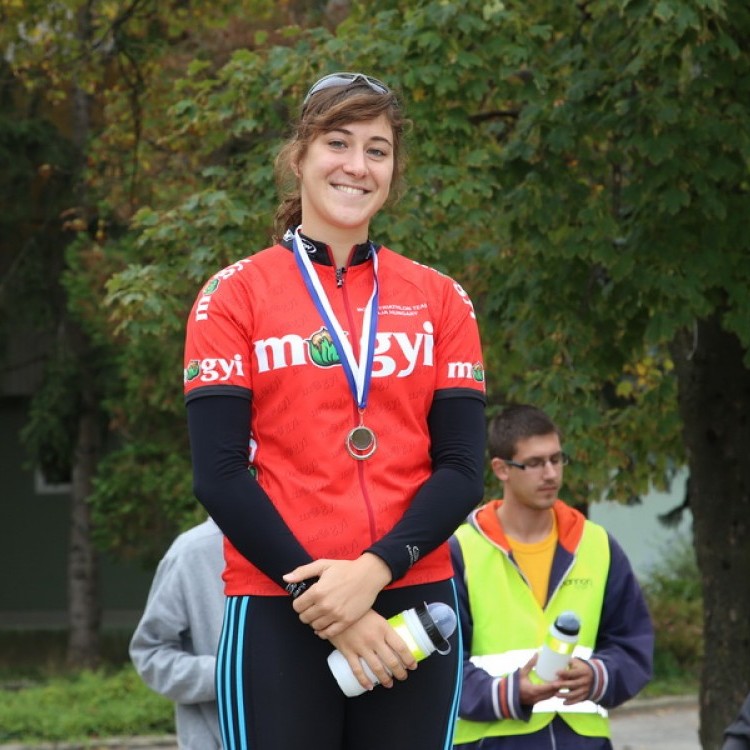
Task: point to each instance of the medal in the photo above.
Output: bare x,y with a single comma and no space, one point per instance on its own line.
361,442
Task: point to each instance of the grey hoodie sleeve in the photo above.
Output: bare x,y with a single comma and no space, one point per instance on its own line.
173,647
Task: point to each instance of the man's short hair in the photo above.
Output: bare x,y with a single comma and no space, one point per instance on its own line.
515,423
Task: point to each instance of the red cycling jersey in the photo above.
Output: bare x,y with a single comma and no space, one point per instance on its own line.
255,332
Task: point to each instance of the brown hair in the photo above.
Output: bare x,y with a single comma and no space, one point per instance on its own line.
515,423
326,110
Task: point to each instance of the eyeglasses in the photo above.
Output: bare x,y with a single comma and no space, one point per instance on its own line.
345,79
538,462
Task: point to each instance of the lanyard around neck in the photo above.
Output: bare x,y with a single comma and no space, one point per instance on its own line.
358,373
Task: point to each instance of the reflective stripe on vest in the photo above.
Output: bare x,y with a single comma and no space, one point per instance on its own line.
509,625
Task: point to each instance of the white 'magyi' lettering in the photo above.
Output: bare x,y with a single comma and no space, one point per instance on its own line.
391,349
277,348
465,298
216,368
201,308
460,370
423,342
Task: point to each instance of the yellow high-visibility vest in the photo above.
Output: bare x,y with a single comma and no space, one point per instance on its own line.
509,625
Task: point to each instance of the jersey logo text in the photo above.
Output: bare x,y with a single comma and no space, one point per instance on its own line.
214,369
395,352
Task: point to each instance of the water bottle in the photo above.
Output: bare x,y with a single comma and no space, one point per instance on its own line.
557,649
425,629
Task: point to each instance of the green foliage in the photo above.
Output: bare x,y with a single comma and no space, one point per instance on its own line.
580,168
28,656
44,701
674,597
36,165
87,705
84,142
574,171
138,521
49,435
34,159
517,164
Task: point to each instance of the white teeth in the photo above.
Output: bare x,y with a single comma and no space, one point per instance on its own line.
350,190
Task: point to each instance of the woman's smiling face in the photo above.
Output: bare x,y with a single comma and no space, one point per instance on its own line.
345,178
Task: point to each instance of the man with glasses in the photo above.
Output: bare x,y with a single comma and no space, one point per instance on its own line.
519,563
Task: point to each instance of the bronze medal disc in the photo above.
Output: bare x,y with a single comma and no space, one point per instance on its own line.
361,443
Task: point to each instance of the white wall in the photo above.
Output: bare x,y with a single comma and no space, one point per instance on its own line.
638,530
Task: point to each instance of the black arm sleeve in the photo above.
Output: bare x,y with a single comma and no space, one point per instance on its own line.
457,431
219,428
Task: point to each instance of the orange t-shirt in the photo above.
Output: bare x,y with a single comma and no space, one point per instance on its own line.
535,561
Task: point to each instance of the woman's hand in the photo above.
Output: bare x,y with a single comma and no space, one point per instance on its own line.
371,638
344,592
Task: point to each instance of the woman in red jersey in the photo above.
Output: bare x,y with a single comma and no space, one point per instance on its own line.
355,377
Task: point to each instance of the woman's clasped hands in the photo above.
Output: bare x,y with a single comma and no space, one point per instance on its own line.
338,607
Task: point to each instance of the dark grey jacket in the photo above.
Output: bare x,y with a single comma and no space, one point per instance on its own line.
737,734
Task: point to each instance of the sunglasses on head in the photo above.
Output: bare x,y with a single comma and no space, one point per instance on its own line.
345,79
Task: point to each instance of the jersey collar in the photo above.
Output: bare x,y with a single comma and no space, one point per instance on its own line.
318,252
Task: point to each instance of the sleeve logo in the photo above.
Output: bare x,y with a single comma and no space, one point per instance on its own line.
214,369
466,371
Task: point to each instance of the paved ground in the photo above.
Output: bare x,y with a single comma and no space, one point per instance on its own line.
656,724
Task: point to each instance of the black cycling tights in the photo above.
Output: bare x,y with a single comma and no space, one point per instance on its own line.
275,691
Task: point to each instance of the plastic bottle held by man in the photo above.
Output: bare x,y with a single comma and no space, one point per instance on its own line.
557,649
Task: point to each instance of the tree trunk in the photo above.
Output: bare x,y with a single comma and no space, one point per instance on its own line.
84,611
714,402
83,565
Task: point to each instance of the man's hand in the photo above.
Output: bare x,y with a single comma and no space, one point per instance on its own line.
344,592
371,638
575,682
532,692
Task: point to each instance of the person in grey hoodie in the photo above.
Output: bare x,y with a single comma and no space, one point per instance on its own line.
174,645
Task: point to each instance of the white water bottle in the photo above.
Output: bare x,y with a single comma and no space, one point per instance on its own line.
557,649
425,628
